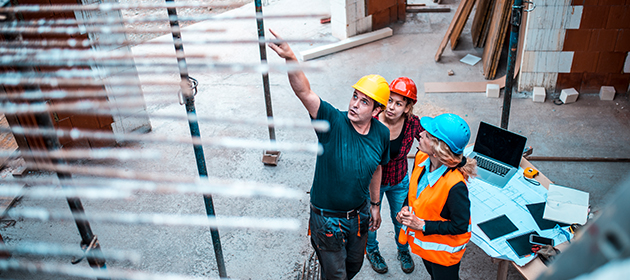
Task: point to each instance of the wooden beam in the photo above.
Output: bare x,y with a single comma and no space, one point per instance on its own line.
428,9
479,28
461,21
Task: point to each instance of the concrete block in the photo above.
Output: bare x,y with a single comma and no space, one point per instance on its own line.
532,40
569,95
351,29
364,25
549,80
564,62
539,94
492,90
607,93
555,39
338,21
557,16
361,9
527,61
573,17
626,66
351,13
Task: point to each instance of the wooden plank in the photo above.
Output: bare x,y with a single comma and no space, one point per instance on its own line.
461,86
428,9
480,21
461,21
496,35
451,26
347,43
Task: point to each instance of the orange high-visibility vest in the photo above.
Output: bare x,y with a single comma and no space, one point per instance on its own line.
441,249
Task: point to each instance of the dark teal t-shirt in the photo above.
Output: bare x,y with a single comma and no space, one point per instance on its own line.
344,171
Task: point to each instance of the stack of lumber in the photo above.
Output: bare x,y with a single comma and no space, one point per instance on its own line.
488,30
496,35
481,22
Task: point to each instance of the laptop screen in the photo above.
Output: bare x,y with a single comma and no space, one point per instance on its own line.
499,144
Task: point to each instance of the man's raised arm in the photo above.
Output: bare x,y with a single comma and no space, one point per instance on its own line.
297,79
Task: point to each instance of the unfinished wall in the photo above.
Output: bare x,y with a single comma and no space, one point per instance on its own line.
581,44
353,17
543,56
600,45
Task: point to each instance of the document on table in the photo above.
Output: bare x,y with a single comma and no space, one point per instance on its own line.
566,205
488,202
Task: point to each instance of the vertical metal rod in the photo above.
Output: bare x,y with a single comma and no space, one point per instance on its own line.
76,207
517,10
263,60
194,131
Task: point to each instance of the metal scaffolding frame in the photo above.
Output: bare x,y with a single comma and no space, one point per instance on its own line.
39,66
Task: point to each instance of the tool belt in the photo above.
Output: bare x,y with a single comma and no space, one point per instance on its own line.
339,214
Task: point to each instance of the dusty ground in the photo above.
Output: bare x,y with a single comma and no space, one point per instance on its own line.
162,13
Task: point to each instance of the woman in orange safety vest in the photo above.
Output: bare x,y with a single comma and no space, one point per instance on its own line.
436,222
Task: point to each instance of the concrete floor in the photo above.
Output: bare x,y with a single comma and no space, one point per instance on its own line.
587,128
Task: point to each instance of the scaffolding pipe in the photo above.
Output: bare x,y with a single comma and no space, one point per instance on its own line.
517,10
88,239
263,60
194,131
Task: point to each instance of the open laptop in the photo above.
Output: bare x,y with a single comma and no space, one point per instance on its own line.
498,153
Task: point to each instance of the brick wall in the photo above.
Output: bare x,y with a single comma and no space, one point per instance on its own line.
543,56
581,44
600,46
385,12
353,17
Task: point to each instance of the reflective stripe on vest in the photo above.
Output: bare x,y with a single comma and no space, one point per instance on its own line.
437,246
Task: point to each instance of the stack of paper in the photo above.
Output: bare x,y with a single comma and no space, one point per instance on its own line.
566,205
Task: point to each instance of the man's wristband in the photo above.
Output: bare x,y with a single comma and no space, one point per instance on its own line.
375,203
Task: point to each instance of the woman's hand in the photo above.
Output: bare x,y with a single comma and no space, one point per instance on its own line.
408,219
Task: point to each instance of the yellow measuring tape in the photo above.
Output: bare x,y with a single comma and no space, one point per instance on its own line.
530,172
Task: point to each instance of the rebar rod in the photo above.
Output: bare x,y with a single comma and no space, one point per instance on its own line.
189,100
116,20
74,43
161,219
224,142
76,271
102,29
96,108
125,188
51,249
107,7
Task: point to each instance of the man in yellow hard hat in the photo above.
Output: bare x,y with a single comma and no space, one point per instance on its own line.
345,192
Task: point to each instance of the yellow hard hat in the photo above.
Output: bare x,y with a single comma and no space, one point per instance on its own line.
375,87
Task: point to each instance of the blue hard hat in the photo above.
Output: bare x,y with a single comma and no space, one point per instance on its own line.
450,128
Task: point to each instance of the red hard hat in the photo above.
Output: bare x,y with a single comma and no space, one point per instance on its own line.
405,87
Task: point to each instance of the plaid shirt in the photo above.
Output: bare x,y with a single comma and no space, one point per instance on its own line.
396,169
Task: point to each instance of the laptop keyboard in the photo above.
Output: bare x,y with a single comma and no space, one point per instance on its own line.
491,166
